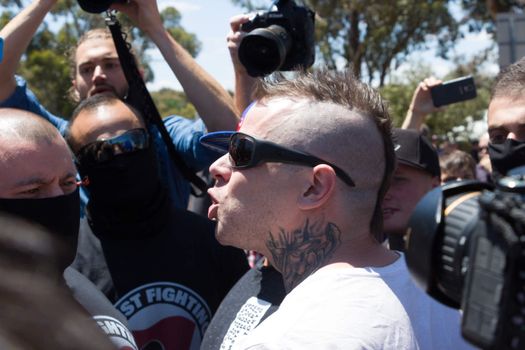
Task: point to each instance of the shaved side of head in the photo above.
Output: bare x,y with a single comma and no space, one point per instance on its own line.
343,121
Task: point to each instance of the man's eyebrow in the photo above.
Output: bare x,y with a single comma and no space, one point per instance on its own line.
35,180
39,180
496,127
70,174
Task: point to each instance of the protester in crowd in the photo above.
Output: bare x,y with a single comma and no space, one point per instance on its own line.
96,69
506,120
303,183
260,291
483,167
416,174
38,312
169,272
37,183
457,165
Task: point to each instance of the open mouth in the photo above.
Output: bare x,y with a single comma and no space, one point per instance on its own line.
387,212
102,90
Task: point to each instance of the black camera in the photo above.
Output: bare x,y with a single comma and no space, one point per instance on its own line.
278,40
97,6
466,249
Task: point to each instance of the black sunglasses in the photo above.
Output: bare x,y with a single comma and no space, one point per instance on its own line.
105,150
246,152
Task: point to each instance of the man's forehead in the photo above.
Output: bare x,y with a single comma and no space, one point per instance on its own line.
104,121
34,157
503,110
96,47
270,114
411,172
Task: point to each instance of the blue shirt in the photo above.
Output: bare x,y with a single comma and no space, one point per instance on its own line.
184,133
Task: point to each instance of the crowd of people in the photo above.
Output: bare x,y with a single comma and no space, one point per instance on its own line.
309,176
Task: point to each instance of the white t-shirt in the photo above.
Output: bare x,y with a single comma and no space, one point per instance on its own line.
358,308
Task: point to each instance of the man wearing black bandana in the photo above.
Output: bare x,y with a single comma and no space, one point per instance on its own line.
506,120
37,183
168,270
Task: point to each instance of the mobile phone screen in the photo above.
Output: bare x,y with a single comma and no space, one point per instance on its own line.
452,91
1,49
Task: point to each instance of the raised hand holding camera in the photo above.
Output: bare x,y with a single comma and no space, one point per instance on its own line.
278,40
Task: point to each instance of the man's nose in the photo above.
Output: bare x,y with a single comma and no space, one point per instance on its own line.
516,135
221,169
98,73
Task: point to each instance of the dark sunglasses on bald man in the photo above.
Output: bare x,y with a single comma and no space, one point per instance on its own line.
246,151
106,149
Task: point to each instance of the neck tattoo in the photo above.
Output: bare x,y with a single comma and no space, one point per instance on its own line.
299,253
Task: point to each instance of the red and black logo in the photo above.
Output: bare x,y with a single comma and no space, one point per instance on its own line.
165,315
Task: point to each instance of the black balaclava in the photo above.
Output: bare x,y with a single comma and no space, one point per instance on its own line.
506,156
127,198
59,215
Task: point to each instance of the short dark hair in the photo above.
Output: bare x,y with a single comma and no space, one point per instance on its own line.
458,165
510,82
344,89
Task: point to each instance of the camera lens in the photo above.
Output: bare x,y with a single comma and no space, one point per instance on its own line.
441,227
95,6
264,50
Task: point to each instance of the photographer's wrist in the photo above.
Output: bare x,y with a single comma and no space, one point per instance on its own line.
47,4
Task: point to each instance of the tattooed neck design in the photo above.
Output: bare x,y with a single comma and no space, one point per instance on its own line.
299,253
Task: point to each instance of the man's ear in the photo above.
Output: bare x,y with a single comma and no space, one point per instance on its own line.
320,189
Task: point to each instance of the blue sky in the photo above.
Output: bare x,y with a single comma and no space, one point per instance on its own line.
209,20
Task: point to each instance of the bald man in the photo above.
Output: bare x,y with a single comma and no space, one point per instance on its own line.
303,183
37,183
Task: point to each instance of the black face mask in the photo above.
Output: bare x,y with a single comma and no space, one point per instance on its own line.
59,215
506,156
127,198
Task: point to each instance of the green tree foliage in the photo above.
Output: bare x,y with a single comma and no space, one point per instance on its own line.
45,64
171,102
481,13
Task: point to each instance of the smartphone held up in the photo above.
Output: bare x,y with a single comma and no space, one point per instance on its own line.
453,91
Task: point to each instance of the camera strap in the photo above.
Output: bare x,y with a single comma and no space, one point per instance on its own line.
140,98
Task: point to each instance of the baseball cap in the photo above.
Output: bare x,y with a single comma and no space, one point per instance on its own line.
415,150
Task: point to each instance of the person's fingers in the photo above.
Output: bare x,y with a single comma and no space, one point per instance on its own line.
237,21
432,81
